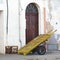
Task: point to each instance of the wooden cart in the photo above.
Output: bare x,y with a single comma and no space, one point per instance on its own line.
34,45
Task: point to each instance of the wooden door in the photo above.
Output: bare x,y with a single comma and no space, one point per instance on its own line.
31,22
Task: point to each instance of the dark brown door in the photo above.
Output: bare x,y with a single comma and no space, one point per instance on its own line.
31,22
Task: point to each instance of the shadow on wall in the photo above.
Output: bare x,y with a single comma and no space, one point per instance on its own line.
56,37
52,43
49,27
53,39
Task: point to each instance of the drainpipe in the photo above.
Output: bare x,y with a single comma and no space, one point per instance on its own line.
19,4
7,22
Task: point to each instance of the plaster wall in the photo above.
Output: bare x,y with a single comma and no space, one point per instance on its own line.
2,27
17,22
13,23
15,34
40,6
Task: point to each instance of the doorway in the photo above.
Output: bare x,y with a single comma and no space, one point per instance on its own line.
31,22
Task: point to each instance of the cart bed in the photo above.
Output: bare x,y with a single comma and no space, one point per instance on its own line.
34,43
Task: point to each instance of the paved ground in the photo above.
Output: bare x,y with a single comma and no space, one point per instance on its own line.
48,56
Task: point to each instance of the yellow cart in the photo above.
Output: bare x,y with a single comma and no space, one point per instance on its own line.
34,45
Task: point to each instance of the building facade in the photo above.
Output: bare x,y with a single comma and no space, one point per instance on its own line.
21,20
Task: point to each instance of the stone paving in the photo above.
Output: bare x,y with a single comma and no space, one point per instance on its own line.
48,56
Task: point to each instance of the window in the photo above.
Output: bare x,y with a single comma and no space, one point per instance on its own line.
31,8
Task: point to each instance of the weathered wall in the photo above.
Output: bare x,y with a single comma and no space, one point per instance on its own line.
54,21
40,5
16,27
2,30
13,23
17,22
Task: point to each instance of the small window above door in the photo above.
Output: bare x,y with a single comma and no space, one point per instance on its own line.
31,8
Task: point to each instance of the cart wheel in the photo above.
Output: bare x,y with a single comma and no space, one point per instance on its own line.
41,50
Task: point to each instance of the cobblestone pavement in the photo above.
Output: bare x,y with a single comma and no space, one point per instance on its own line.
47,56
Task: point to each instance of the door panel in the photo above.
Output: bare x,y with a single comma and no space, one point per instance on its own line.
31,26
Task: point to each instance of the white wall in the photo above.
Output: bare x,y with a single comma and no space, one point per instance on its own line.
55,15
17,22
55,20
13,23
1,33
16,26
2,26
24,4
